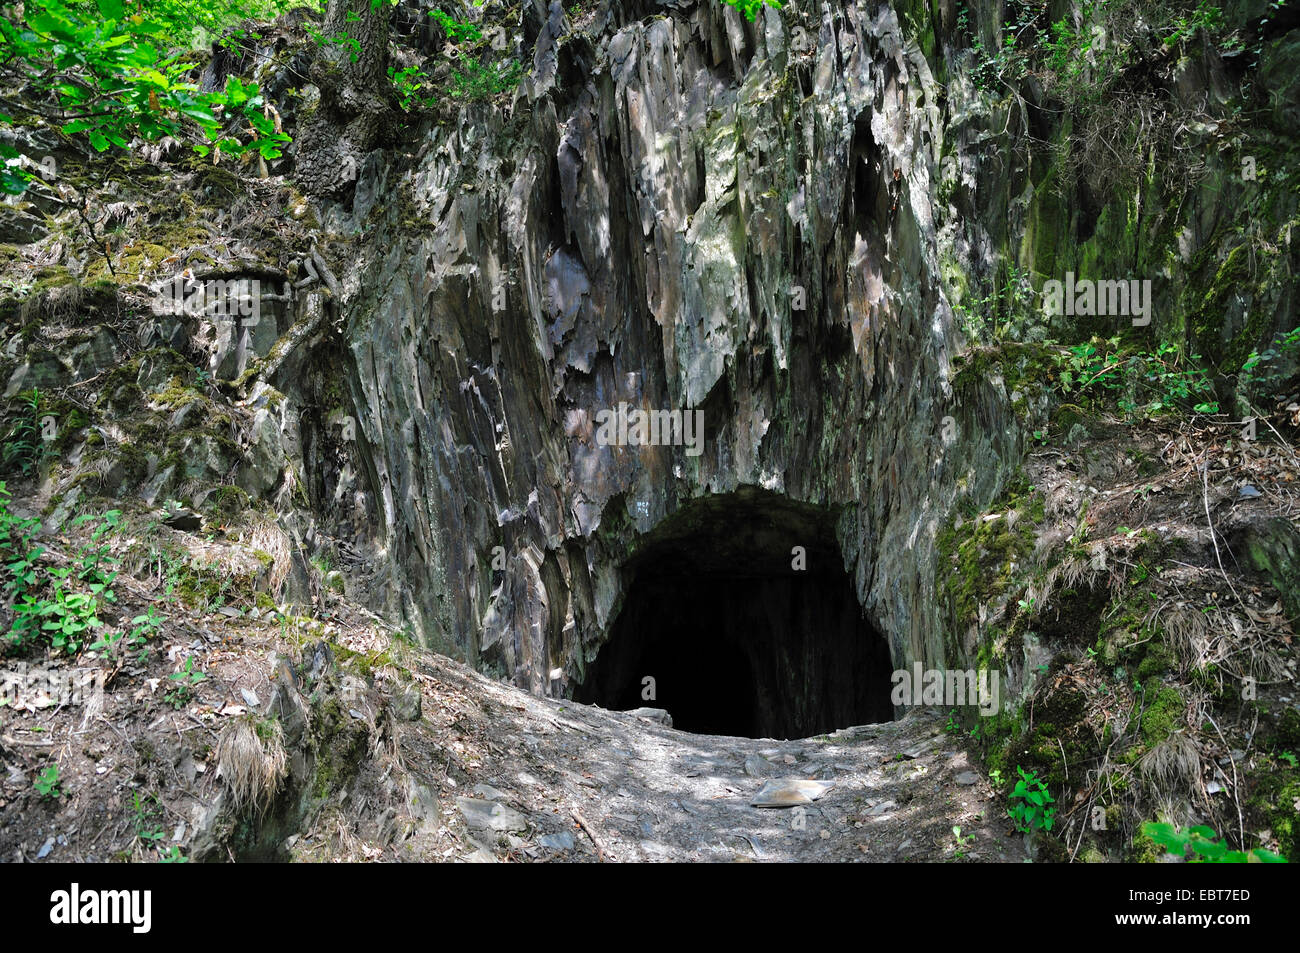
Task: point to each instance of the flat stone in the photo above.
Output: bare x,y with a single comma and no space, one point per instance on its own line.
882,808
657,715
756,766
790,792
486,815
967,778
561,841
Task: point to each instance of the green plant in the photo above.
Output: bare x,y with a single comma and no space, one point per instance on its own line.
1150,382
458,31
171,855
952,727
172,567
187,679
991,316
1204,17
147,625
1031,805
18,551
410,83
1204,845
47,783
90,559
106,72
23,449
106,644
995,777
749,8
71,614
1262,370
962,842
147,818
483,81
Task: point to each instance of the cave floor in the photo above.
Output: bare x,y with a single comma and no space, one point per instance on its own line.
620,787
485,772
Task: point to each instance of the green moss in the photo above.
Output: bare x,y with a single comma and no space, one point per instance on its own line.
1157,660
207,586
1144,850
1165,712
986,555
1274,803
339,744
1232,276
228,501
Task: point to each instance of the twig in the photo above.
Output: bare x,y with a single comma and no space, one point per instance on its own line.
600,850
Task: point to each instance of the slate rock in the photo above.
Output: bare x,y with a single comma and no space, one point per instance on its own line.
561,841
790,792
490,816
657,715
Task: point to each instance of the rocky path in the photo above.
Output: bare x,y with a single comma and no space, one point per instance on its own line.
526,778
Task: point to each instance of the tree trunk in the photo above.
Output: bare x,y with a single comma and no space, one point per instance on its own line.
352,80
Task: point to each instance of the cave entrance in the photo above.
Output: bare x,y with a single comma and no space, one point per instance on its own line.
737,639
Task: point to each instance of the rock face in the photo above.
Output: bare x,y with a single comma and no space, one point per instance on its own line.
686,213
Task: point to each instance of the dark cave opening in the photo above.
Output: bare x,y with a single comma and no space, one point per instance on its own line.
737,638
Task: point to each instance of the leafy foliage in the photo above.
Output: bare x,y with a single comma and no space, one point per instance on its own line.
1150,382
187,679
23,449
107,73
1263,370
483,81
475,73
458,31
1095,64
61,606
994,314
1204,845
749,8
1031,805
47,782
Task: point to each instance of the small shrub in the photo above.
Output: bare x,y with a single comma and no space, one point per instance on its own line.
1031,804
47,783
186,681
